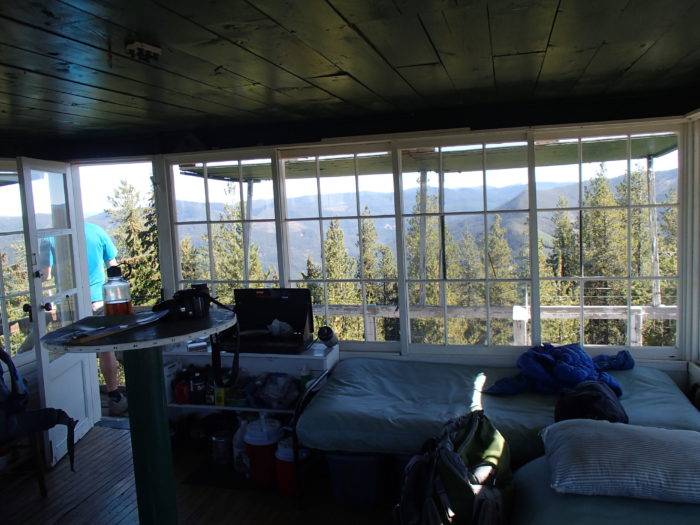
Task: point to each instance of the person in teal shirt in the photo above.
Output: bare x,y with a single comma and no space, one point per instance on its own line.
101,253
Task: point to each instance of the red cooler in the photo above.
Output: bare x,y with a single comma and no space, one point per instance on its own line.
261,439
286,480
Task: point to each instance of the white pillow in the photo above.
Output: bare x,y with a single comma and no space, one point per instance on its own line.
599,458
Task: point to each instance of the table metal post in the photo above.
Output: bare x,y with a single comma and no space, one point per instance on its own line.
150,436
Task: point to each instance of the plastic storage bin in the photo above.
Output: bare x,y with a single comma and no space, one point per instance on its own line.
358,479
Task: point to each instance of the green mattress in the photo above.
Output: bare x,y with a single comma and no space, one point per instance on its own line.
537,504
391,406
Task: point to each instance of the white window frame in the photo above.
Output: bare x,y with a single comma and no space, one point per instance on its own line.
687,339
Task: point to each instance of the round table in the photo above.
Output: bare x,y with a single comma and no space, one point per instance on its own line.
148,418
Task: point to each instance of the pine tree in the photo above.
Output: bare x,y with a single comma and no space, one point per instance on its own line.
136,237
378,262
604,241
193,263
424,256
341,265
563,258
501,294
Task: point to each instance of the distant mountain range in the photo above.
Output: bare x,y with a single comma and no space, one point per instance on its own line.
304,235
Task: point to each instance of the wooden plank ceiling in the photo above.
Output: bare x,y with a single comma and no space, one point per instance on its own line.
65,70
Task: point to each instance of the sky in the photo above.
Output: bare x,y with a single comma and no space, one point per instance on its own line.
98,182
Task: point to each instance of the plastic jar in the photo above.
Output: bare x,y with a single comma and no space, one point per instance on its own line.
116,293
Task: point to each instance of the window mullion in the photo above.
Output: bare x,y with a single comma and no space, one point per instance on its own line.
361,262
404,325
320,233
487,283
280,204
443,246
210,246
534,247
628,288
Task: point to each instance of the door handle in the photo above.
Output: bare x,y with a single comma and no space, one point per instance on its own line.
27,309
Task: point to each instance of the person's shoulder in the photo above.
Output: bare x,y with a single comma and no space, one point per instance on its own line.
94,229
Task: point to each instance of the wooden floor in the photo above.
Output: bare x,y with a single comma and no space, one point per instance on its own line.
101,491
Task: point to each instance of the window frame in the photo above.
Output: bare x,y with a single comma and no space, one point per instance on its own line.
395,143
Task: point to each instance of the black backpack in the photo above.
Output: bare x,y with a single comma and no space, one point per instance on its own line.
13,398
462,477
590,400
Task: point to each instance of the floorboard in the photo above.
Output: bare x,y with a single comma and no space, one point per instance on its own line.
102,491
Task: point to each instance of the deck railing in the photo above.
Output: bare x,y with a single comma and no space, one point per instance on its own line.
519,315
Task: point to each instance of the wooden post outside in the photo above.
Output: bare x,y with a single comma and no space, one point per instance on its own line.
637,320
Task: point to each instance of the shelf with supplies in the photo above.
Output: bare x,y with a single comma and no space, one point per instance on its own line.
314,361
318,358
216,408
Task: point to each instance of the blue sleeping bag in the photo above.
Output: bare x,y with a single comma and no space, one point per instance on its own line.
547,369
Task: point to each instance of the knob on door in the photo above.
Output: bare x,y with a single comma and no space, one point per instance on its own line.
27,309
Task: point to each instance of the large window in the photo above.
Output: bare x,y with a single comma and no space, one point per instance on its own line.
465,213
341,238
225,225
506,242
608,235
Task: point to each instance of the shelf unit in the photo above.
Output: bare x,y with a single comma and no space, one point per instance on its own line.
216,408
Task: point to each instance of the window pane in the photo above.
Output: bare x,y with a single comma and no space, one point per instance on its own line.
466,313
423,247
20,328
224,191
378,248
376,183
557,173
604,241
510,317
605,312
340,248
653,237
654,164
464,246
604,171
227,246
506,176
421,180
508,245
194,252
560,312
262,251
258,199
304,245
654,312
559,244
14,263
301,188
188,181
345,310
49,196
56,264
11,203
382,311
426,313
463,178
338,190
